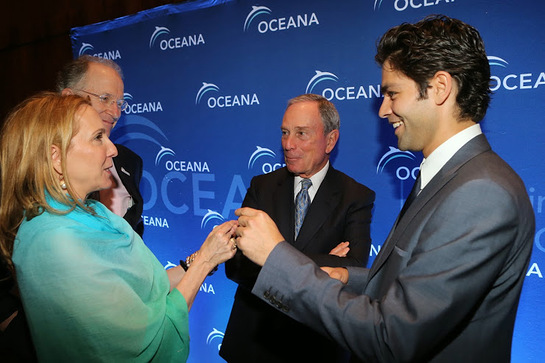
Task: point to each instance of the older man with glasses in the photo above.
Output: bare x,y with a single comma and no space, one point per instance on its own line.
101,81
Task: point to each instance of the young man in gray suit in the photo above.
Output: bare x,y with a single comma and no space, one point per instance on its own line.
339,211
446,283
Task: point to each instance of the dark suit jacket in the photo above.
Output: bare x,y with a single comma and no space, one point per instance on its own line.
129,168
446,283
340,211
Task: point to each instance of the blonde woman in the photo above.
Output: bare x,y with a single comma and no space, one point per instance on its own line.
91,289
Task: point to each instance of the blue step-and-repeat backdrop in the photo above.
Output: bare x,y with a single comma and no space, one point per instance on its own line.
207,83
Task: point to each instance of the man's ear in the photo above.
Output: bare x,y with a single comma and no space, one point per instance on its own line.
443,84
67,91
332,138
56,157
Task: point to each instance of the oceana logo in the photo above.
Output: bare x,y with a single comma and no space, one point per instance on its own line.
402,5
402,172
215,334
165,151
87,48
159,30
224,100
263,152
212,217
256,11
319,82
275,24
140,107
512,81
320,77
406,171
170,43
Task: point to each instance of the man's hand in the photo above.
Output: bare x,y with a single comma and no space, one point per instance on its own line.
341,250
257,234
339,273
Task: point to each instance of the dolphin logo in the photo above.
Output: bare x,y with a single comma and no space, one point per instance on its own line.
375,7
85,47
497,61
211,215
393,153
319,77
170,265
164,151
215,333
259,152
205,88
159,30
256,10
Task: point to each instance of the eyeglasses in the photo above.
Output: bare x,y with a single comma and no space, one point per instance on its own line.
108,100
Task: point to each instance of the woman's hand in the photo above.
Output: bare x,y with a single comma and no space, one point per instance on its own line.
219,245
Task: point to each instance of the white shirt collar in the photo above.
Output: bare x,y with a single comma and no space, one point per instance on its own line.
439,157
316,179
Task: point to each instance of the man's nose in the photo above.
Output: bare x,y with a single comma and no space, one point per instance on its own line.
385,108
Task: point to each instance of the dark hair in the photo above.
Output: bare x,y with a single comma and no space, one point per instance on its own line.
72,73
439,43
328,112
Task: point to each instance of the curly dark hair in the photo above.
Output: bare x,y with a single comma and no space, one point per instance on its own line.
439,43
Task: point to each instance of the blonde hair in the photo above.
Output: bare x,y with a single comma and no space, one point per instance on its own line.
28,135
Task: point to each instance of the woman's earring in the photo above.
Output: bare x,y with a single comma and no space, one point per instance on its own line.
63,184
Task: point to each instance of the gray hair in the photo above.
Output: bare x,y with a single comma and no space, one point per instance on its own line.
328,112
72,73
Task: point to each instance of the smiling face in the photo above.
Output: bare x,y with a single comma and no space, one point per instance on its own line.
306,147
412,117
89,156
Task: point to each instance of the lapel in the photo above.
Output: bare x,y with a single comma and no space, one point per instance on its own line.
474,147
125,179
323,204
283,206
124,171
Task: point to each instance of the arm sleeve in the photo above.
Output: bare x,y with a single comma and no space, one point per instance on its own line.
438,290
356,228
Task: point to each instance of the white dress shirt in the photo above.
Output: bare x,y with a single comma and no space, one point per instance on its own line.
439,157
316,180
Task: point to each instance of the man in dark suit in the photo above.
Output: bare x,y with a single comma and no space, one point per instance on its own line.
339,212
446,283
101,81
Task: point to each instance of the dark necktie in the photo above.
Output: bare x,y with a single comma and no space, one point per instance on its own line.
302,201
412,196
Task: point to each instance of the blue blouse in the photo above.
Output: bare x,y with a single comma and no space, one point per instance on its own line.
93,291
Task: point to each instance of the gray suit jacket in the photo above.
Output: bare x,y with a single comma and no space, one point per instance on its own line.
446,283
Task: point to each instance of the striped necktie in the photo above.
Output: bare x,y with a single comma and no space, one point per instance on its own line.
302,201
